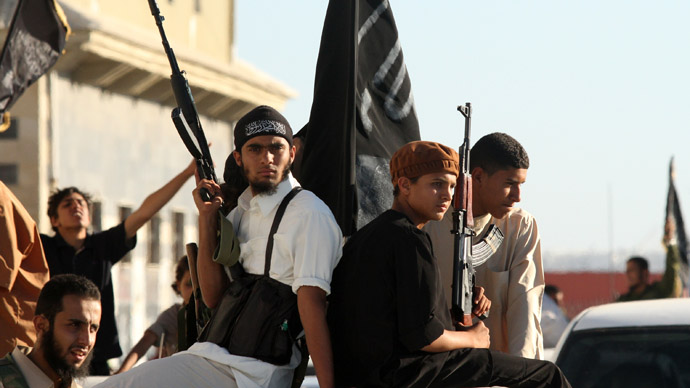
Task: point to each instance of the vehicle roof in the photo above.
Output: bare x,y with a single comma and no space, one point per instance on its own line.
657,312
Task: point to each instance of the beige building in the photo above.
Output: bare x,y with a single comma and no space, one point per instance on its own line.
100,120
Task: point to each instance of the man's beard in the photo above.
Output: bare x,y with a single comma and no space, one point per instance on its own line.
67,373
266,188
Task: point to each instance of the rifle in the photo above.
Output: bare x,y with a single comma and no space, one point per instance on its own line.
192,251
185,116
463,221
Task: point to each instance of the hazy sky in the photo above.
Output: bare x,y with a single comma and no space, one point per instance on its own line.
597,92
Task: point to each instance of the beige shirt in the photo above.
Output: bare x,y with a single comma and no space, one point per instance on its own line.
23,272
34,376
513,279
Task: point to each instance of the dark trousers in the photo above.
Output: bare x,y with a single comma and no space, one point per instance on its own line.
482,368
498,369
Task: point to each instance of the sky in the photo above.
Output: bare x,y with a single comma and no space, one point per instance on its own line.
597,92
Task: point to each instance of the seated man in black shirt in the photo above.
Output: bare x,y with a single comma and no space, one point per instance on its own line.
388,317
73,250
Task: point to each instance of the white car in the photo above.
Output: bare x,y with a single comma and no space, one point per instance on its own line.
628,344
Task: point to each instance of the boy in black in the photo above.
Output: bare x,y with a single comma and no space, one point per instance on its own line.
388,318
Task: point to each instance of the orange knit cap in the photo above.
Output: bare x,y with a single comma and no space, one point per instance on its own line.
418,158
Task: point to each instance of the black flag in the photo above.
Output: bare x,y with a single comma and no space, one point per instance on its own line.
362,112
34,42
673,212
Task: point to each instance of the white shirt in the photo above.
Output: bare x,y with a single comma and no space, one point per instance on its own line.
307,244
34,376
306,248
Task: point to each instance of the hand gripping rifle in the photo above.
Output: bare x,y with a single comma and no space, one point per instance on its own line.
185,116
463,221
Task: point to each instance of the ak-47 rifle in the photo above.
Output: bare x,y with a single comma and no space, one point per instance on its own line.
185,116
188,125
463,221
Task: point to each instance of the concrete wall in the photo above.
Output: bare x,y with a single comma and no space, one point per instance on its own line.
204,25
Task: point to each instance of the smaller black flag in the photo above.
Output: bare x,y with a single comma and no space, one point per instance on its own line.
34,42
673,212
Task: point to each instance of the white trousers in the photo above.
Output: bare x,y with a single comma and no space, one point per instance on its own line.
206,365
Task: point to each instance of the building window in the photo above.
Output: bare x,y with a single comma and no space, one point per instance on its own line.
11,132
125,212
96,215
155,240
9,173
178,225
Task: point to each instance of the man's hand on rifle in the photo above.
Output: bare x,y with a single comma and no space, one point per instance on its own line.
482,304
212,279
207,208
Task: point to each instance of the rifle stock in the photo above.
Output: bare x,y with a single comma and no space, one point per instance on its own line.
192,251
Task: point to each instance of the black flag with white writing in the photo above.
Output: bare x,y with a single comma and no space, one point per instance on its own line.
362,112
673,212
34,42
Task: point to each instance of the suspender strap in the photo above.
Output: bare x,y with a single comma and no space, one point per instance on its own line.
274,226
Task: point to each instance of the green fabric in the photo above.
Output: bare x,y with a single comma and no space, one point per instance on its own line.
10,375
228,250
669,285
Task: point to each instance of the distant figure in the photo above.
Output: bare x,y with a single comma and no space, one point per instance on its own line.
163,332
637,272
73,250
553,318
513,276
67,317
23,272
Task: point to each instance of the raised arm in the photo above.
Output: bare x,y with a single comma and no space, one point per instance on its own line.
154,202
212,278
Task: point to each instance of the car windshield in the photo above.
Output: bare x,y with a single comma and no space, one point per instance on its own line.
627,357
